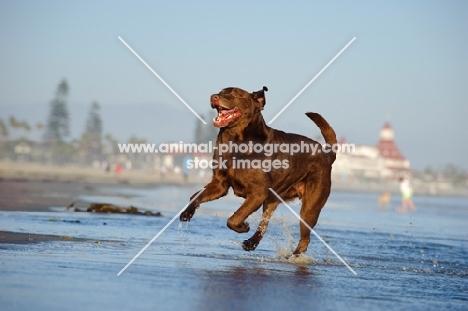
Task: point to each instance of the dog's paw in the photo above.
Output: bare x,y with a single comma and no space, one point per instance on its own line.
187,214
297,253
249,245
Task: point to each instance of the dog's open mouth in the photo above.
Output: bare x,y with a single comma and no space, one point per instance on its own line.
226,116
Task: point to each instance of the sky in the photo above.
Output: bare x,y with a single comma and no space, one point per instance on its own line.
408,64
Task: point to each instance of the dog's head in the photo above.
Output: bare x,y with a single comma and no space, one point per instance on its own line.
237,107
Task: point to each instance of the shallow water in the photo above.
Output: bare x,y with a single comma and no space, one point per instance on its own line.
403,260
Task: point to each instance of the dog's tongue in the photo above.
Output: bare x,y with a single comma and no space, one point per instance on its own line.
225,112
226,116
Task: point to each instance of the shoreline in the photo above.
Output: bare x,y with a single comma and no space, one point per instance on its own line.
36,187
26,171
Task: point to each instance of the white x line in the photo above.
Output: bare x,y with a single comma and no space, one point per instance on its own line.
159,233
313,231
162,80
313,79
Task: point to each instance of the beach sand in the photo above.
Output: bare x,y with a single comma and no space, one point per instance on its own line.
38,196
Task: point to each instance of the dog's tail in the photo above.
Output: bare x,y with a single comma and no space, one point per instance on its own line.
327,131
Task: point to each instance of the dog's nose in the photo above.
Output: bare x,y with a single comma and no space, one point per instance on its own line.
214,100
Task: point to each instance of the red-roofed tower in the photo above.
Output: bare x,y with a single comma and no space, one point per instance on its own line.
388,150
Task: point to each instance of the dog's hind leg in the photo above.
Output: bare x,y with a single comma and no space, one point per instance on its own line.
251,204
269,206
315,196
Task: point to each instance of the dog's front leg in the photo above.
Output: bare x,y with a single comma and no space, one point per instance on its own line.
237,221
216,188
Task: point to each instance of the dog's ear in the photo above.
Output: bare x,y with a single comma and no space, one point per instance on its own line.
259,97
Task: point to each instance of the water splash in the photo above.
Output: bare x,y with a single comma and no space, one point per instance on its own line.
285,251
184,235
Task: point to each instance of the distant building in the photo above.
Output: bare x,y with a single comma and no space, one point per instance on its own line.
394,161
382,161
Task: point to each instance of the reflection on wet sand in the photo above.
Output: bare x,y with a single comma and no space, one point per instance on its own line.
249,288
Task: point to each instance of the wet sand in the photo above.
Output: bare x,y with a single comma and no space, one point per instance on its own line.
7,237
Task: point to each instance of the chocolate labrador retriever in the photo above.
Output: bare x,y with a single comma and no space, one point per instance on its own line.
304,175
